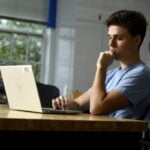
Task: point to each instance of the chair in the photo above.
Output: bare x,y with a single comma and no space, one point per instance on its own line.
3,98
145,142
47,93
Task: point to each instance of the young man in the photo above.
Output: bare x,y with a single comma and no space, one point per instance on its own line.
123,92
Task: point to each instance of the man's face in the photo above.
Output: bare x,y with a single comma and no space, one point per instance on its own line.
122,43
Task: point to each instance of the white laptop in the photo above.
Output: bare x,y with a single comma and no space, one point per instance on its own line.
21,90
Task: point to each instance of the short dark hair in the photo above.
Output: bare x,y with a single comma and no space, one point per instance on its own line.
134,21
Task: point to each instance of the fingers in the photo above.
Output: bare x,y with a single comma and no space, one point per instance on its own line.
107,53
111,53
105,59
60,103
54,105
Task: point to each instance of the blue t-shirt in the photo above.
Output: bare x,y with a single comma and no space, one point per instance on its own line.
134,83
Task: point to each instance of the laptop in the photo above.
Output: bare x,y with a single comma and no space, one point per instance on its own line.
21,90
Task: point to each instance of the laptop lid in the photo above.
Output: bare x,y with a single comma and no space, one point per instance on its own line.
21,90
20,87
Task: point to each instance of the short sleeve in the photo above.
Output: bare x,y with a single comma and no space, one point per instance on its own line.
134,86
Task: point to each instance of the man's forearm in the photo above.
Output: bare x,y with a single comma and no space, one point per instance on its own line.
98,92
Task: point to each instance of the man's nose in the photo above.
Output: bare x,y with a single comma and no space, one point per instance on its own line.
112,42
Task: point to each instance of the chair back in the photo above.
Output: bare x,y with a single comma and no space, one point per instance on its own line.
147,117
47,93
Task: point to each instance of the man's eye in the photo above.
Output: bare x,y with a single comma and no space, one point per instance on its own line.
120,38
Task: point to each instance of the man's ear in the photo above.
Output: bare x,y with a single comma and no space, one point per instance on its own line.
137,40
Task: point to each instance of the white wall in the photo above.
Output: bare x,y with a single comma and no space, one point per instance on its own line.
87,48
29,9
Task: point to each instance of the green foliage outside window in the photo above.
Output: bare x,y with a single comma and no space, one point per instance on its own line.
21,43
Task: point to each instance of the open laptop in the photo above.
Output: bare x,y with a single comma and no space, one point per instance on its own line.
21,90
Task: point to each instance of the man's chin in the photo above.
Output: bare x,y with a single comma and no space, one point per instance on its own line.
116,57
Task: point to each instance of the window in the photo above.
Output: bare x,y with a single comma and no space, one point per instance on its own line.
64,64
21,43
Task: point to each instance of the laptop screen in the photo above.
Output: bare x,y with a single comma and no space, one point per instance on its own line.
20,87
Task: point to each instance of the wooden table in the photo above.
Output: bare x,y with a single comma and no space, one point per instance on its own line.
69,127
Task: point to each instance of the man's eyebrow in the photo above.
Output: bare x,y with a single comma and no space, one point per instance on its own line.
115,35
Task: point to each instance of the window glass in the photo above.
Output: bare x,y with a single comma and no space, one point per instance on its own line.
21,43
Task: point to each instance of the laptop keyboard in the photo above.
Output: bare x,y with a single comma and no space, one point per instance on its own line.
60,111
